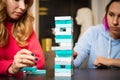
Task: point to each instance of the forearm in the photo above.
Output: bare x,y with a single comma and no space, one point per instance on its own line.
107,62
4,66
115,62
79,59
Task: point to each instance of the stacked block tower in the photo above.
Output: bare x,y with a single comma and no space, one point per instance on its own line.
64,37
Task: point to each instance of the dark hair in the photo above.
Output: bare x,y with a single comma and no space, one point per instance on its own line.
105,17
107,7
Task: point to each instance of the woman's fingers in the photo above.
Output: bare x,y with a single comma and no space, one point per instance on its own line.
24,58
28,62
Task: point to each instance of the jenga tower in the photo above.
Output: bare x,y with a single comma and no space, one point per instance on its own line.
64,37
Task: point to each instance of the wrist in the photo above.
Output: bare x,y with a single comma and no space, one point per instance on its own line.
10,71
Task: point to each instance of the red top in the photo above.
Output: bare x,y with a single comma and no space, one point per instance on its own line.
7,53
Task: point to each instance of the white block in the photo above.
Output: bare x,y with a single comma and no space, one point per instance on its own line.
63,40
63,78
63,18
63,61
66,44
62,48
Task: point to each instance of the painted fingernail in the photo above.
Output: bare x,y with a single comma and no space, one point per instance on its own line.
36,59
32,54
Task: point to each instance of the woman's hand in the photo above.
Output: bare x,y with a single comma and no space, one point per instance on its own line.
23,58
102,62
74,55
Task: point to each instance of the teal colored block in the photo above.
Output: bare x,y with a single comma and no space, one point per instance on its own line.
40,72
64,37
63,53
57,66
68,66
30,69
63,21
33,70
68,21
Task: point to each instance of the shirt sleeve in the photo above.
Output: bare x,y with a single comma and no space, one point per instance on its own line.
35,47
4,65
82,47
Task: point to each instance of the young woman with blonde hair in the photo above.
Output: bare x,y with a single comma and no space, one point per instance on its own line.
19,46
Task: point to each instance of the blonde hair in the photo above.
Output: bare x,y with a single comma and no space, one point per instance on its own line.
22,28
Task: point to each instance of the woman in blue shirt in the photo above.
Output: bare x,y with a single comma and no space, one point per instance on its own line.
101,42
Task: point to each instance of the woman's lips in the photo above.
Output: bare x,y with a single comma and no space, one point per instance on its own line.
19,13
114,28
